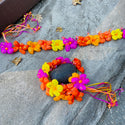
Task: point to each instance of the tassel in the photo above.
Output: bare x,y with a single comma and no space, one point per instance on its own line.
17,29
111,99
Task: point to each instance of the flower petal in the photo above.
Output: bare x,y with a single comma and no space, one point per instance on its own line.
3,50
59,88
67,48
54,82
73,46
56,93
49,84
67,60
82,87
82,76
75,74
30,50
74,79
86,81
9,45
10,50
76,85
51,92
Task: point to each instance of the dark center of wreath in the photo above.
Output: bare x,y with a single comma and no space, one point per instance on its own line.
63,72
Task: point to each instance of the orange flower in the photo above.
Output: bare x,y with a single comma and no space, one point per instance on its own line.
95,40
46,45
102,37
84,41
54,63
34,46
20,46
77,63
44,81
106,36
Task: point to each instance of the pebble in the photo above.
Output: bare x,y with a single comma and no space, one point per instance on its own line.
63,72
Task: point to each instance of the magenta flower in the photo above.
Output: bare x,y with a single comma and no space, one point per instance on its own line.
123,36
67,60
41,74
60,58
64,60
70,43
6,48
80,82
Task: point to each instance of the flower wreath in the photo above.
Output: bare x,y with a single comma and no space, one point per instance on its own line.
77,85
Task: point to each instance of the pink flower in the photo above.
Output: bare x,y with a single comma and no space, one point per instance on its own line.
6,48
70,43
80,82
64,60
123,36
41,74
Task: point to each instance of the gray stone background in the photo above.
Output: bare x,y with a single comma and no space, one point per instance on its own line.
21,100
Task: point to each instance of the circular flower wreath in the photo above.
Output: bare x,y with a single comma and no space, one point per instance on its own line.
77,85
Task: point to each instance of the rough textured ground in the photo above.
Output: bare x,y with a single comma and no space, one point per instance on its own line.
21,100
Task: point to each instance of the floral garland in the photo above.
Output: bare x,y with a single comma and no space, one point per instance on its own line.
77,86
55,45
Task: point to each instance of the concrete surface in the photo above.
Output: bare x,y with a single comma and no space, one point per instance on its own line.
22,101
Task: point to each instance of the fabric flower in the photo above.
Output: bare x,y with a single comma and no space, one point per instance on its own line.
54,64
60,58
116,34
46,45
107,35
44,81
102,37
57,45
6,48
54,88
77,63
123,36
84,41
70,43
20,46
64,60
79,81
46,67
33,46
95,40
41,74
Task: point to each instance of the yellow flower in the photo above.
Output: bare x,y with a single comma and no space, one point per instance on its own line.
33,46
46,67
55,89
116,34
57,45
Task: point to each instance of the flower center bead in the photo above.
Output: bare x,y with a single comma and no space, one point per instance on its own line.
57,44
80,81
33,46
6,48
116,34
54,88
